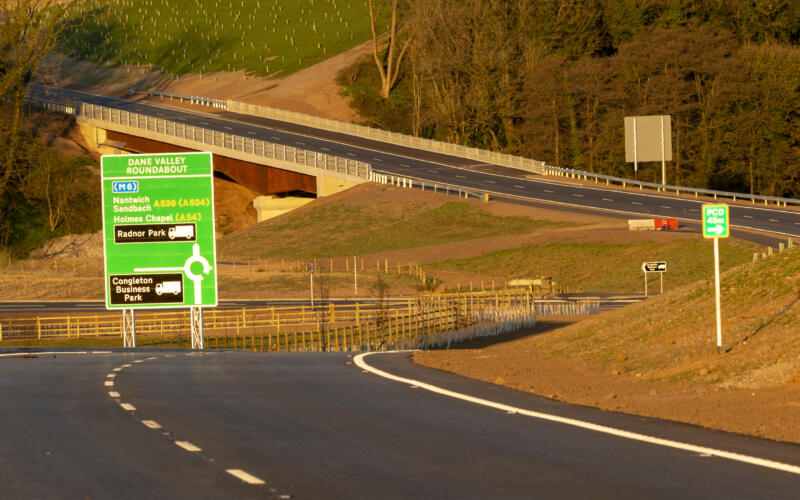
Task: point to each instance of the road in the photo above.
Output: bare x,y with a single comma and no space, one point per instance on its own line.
434,167
180,425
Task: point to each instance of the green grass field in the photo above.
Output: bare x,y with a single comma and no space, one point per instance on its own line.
262,37
606,267
345,230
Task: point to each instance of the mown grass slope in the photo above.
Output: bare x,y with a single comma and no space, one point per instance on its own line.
673,336
341,230
262,37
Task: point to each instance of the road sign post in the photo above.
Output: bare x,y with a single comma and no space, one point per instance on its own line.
654,267
158,232
716,225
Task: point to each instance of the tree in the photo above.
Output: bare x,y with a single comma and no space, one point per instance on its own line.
29,31
399,40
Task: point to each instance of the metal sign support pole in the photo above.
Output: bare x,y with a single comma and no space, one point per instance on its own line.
196,319
661,275
645,283
663,156
312,287
128,328
635,155
716,293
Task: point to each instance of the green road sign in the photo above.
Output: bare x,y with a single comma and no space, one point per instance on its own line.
158,230
716,221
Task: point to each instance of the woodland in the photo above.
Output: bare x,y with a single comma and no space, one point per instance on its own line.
553,80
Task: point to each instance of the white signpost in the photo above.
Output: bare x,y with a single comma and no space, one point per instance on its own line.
654,267
716,225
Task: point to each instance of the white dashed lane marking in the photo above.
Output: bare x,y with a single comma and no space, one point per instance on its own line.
607,199
636,203
577,195
186,445
747,216
519,187
244,476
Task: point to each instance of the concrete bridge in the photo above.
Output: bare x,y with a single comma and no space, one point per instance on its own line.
283,177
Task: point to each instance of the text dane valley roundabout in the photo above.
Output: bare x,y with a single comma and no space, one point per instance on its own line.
158,230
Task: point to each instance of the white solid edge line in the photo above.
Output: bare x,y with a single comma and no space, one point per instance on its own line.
186,445
761,462
43,353
244,476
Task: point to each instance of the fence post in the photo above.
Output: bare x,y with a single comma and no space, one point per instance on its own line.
38,328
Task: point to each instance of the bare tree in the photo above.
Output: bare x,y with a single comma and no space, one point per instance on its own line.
399,40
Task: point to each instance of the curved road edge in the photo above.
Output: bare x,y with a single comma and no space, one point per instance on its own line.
359,361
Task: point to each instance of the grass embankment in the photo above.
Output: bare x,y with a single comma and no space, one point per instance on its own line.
394,233
659,357
340,230
262,37
599,267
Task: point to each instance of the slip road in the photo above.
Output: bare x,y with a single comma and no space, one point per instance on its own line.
250,425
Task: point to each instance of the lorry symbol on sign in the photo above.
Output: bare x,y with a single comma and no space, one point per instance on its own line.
173,287
125,187
185,231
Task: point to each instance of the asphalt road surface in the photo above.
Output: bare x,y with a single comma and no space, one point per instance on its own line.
434,167
248,425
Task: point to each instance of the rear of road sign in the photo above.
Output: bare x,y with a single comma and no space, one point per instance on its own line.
158,230
716,221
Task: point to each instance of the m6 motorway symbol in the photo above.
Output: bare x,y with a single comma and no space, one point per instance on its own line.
716,221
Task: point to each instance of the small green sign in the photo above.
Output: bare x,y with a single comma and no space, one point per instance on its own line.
716,221
158,230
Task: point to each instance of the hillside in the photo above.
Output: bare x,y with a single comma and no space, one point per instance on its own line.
398,234
659,358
